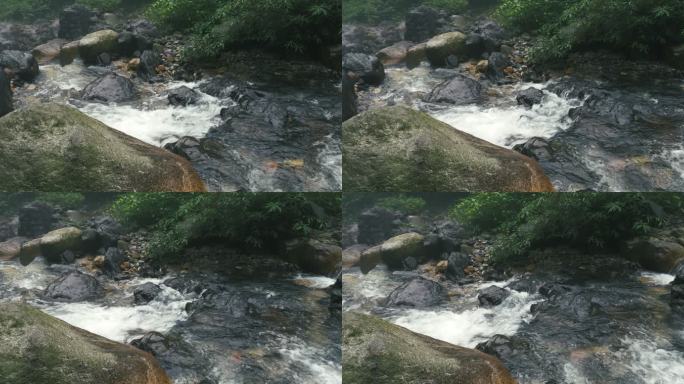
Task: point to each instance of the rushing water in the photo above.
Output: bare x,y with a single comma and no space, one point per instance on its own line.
300,344
615,345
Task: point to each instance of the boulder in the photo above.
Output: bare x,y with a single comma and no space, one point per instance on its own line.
377,224
68,53
351,256
397,149
49,51
497,62
39,348
492,296
29,251
55,242
110,88
73,287
6,103
349,97
655,254
11,248
424,22
183,96
131,43
147,69
145,293
376,351
367,68
52,147
529,97
394,54
90,240
75,21
416,55
440,47
18,64
456,264
491,33
676,57
36,219
393,252
96,43
112,261
314,256
417,293
459,90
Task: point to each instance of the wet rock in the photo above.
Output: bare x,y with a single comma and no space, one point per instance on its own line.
375,350
104,59
11,248
90,240
491,33
418,293
460,90
440,47
336,294
75,21
144,28
492,296
457,262
67,257
394,54
96,43
145,293
18,64
393,251
529,97
553,289
424,22
49,51
6,103
367,68
349,97
113,259
377,224
655,254
369,38
184,285
110,88
187,147
54,243
508,349
108,229
177,357
408,148
536,148
69,354
29,251
68,53
53,147
183,96
497,62
416,55
352,255
147,69
314,256
73,287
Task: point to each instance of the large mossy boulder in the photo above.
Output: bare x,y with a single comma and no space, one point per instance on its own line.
393,252
314,256
96,43
53,243
51,147
37,348
659,255
440,47
375,351
397,149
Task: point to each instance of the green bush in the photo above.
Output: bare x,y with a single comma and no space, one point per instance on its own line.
30,10
246,220
288,26
66,200
405,204
642,27
374,11
588,221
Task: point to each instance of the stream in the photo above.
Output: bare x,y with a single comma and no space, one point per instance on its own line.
618,331
303,153
602,135
224,332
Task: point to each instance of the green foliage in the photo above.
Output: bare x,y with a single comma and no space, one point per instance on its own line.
406,204
66,200
380,10
248,220
292,26
29,10
631,26
102,5
589,221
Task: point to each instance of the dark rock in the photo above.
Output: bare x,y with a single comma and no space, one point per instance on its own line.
68,257
113,259
108,229
536,148
90,240
460,90
457,261
19,64
147,69
376,225
6,104
110,88
36,219
184,285
104,59
314,256
367,68
75,21
418,293
187,147
349,97
553,289
474,45
529,97
492,34
145,293
175,355
424,22
410,263
143,28
492,296
336,294
504,347
74,286
497,62
183,96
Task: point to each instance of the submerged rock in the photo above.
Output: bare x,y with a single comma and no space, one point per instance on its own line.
73,287
375,351
110,88
39,348
417,293
401,150
50,147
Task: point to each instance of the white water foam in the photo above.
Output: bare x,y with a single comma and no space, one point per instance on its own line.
653,363
470,327
316,282
320,370
658,278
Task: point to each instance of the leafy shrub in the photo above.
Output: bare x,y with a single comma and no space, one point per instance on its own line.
30,10
381,10
589,221
248,220
291,26
66,200
631,26
405,204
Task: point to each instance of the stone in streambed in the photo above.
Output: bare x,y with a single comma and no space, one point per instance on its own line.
460,90
54,243
376,351
75,21
11,248
440,47
314,256
49,51
73,287
393,252
147,69
492,296
659,255
96,43
529,97
6,105
394,54
18,64
397,149
416,55
110,88
38,348
417,293
145,293
51,147
183,96
368,68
